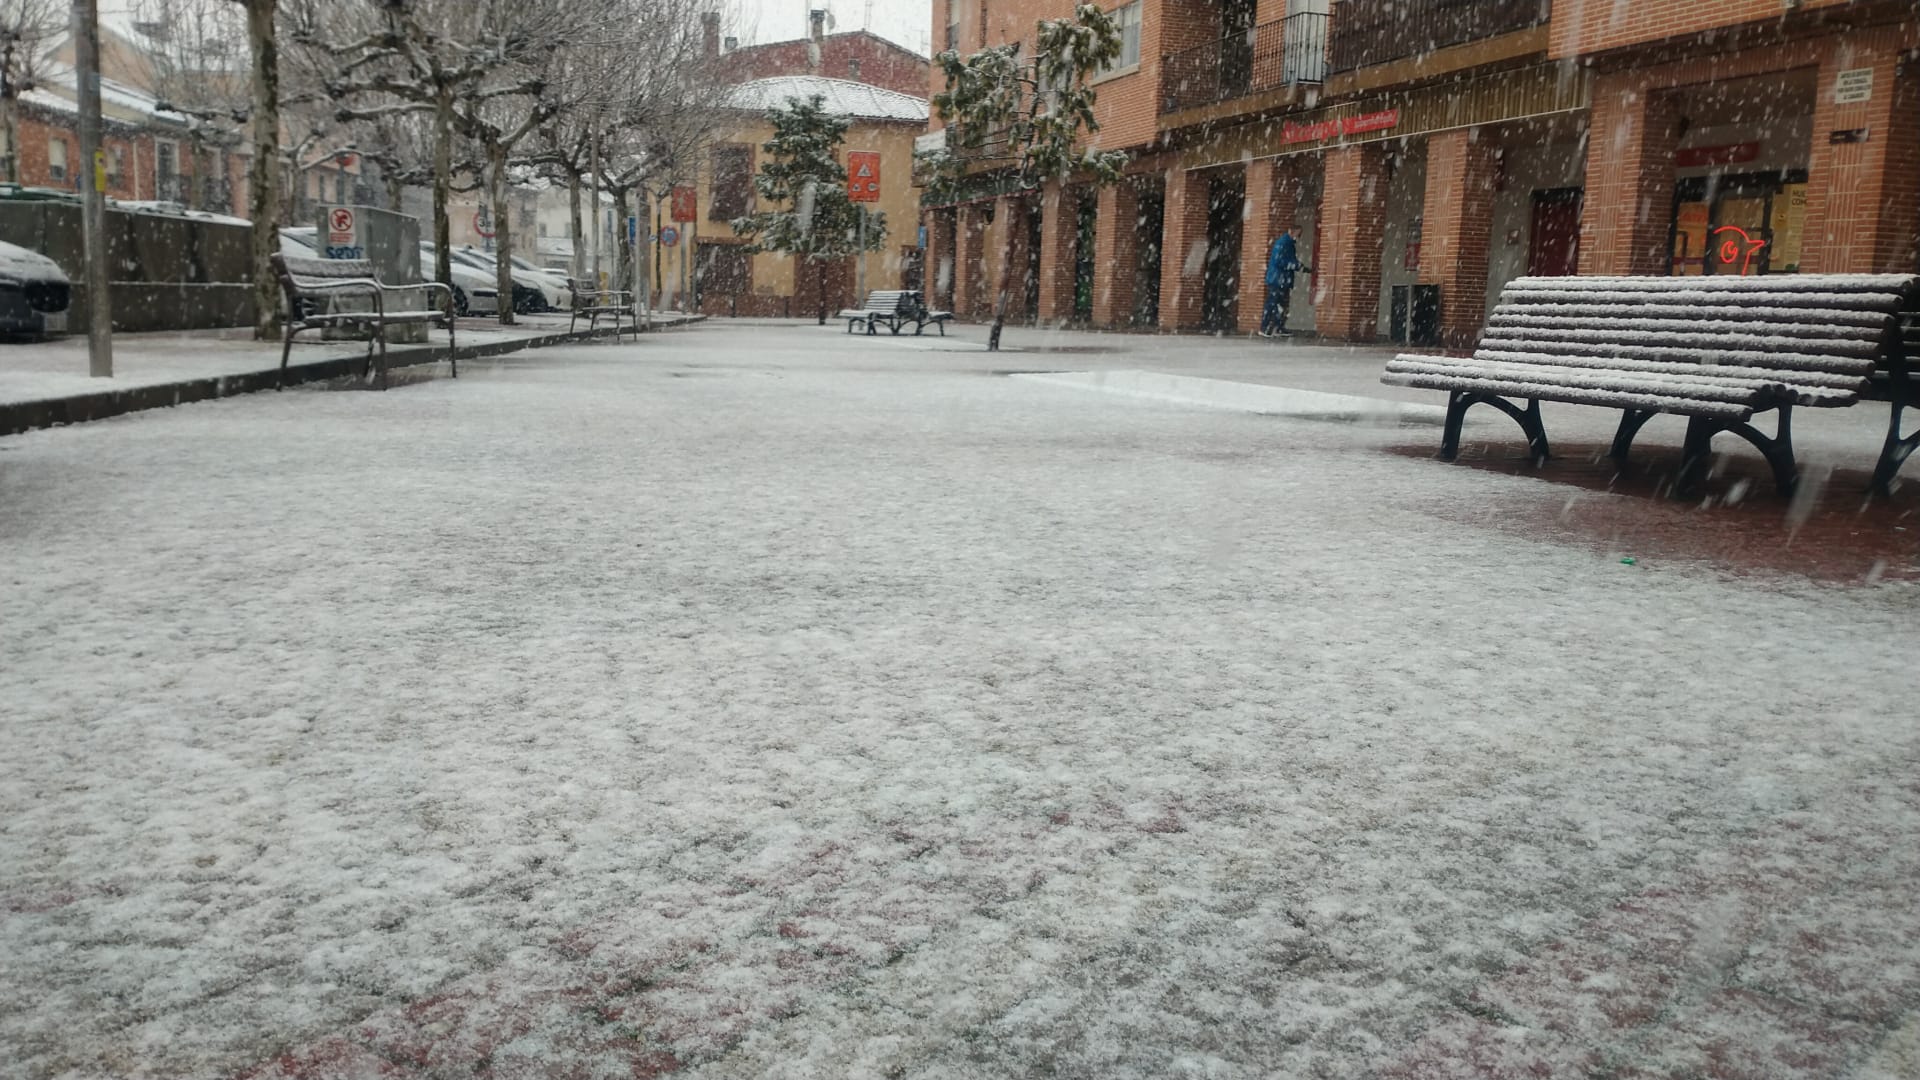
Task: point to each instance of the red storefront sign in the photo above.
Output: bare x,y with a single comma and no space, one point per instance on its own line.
863,175
685,204
1731,154
1328,129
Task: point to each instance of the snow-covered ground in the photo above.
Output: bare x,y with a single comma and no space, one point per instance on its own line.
42,370
757,701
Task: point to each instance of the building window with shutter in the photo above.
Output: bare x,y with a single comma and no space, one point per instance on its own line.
1127,20
57,159
732,195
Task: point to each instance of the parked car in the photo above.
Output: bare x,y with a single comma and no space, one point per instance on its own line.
475,292
533,289
34,292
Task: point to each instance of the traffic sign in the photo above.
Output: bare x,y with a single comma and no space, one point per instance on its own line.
669,236
863,175
483,223
685,204
343,235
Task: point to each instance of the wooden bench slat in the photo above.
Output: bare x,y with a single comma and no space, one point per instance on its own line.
1753,343
1675,323
1707,387
1794,376
1603,398
1856,365
1708,312
1720,285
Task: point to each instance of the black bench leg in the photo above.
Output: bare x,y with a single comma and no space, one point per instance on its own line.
1631,421
1697,453
1895,452
286,350
1457,404
1459,401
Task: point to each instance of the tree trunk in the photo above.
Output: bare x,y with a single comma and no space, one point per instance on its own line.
442,191
10,130
202,172
573,205
502,229
263,198
395,190
1002,283
823,290
624,277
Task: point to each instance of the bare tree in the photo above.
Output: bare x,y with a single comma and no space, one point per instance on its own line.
28,28
196,63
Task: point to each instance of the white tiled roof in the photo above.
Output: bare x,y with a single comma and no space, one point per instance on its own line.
843,98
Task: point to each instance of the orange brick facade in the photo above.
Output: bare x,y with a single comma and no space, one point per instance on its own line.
1626,149
132,160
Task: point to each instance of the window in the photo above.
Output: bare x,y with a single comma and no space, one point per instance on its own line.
1127,19
732,194
57,159
116,164
541,229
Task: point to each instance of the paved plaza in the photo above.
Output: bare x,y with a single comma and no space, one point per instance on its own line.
757,700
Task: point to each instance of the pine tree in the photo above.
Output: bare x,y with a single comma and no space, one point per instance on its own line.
1025,116
802,179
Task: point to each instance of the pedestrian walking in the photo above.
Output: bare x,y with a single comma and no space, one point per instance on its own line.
1283,261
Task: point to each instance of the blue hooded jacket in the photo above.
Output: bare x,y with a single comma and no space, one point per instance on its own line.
1282,261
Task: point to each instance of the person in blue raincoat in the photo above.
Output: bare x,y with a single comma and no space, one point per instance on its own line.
1283,261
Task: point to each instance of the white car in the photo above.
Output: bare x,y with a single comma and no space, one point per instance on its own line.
534,289
475,292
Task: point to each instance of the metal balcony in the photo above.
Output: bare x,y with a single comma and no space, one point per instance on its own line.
1284,52
1368,32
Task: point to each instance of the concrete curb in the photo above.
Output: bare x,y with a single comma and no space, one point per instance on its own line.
17,417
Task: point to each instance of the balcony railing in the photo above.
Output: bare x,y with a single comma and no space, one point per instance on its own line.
1368,32
1280,53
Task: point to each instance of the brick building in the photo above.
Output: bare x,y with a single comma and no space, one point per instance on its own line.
1430,151
859,56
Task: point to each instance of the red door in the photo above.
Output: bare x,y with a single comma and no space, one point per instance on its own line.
1555,251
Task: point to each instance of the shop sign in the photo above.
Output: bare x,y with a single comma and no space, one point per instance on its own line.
1328,129
1852,87
1851,135
1731,154
1735,245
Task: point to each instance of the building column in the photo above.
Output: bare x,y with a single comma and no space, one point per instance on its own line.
1863,198
969,267
1457,219
1116,254
1057,226
1631,142
1183,250
1353,218
1273,200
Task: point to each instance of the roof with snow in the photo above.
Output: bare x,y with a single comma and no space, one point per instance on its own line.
843,98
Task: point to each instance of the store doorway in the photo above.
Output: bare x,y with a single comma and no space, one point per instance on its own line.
1226,215
1748,223
1151,219
1554,250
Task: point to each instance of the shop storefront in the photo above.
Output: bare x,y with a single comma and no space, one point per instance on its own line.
1740,176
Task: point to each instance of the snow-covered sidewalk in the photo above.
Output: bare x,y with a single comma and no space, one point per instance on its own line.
39,371
784,706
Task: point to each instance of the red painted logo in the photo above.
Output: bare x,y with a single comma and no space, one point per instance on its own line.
1734,244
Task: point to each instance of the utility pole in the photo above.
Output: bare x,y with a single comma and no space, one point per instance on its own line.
93,208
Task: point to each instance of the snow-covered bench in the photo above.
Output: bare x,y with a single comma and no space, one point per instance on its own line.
1714,349
922,316
593,303
308,281
893,307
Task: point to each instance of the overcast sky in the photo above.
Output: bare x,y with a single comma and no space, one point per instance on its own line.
904,22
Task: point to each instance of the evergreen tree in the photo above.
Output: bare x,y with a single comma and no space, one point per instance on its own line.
1026,116
802,179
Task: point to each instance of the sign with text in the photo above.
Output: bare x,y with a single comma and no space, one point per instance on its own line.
343,234
685,204
1853,86
1329,129
863,176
